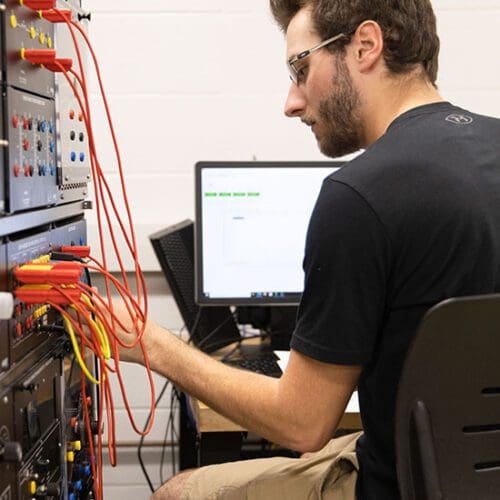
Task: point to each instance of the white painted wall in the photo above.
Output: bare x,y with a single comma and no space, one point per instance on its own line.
192,80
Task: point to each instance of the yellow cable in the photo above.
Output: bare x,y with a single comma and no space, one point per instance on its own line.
76,349
106,346
103,338
100,329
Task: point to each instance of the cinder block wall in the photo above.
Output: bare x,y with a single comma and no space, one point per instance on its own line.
192,80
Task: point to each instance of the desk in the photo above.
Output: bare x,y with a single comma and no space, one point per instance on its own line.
208,420
216,439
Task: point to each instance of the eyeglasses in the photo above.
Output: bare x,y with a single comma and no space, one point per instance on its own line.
297,75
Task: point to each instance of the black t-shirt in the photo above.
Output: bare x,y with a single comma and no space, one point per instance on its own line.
413,220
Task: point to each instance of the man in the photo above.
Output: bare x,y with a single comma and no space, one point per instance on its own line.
411,221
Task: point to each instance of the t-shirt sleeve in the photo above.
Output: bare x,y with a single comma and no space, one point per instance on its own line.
346,268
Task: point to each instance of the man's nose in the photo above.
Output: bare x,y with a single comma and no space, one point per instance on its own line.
295,102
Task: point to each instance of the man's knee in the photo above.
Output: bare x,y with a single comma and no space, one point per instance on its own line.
173,488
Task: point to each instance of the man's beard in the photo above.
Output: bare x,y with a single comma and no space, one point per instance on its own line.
340,115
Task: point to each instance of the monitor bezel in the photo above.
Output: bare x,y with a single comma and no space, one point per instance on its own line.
289,300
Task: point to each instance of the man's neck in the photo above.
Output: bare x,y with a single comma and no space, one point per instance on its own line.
393,99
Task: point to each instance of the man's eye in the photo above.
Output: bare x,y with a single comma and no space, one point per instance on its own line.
302,74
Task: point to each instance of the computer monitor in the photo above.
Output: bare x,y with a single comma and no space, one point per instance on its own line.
251,223
209,327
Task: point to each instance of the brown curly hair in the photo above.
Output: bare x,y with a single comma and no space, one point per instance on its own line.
408,26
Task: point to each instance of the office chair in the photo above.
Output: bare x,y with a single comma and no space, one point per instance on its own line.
448,405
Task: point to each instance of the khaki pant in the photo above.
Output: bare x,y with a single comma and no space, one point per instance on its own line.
328,474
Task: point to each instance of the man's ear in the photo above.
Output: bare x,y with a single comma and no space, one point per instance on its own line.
368,45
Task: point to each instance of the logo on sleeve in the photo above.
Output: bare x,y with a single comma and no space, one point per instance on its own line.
459,119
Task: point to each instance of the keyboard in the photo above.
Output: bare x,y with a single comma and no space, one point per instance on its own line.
264,363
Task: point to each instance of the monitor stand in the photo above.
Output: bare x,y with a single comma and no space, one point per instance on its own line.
278,322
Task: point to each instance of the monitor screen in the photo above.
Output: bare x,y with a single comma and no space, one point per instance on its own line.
251,223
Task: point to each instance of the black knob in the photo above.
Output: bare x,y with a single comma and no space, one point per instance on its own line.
53,490
50,490
42,464
11,451
94,426
27,387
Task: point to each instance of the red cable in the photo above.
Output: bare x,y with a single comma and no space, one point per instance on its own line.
102,307
118,156
113,238
147,366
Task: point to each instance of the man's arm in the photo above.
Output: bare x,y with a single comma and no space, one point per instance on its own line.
300,411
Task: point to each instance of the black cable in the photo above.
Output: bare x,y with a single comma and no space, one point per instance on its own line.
202,343
70,377
232,351
165,437
141,441
170,427
50,329
211,334
176,437
96,391
195,326
162,392
238,345
171,416
174,394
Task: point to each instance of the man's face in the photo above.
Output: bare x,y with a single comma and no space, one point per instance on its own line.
325,97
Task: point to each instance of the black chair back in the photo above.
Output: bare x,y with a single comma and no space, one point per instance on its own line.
448,406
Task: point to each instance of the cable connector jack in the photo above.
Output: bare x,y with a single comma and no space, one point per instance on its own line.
56,15
41,294
61,273
47,58
38,4
38,56
59,65
81,251
64,257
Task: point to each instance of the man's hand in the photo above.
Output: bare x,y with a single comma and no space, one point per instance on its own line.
122,331
128,334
